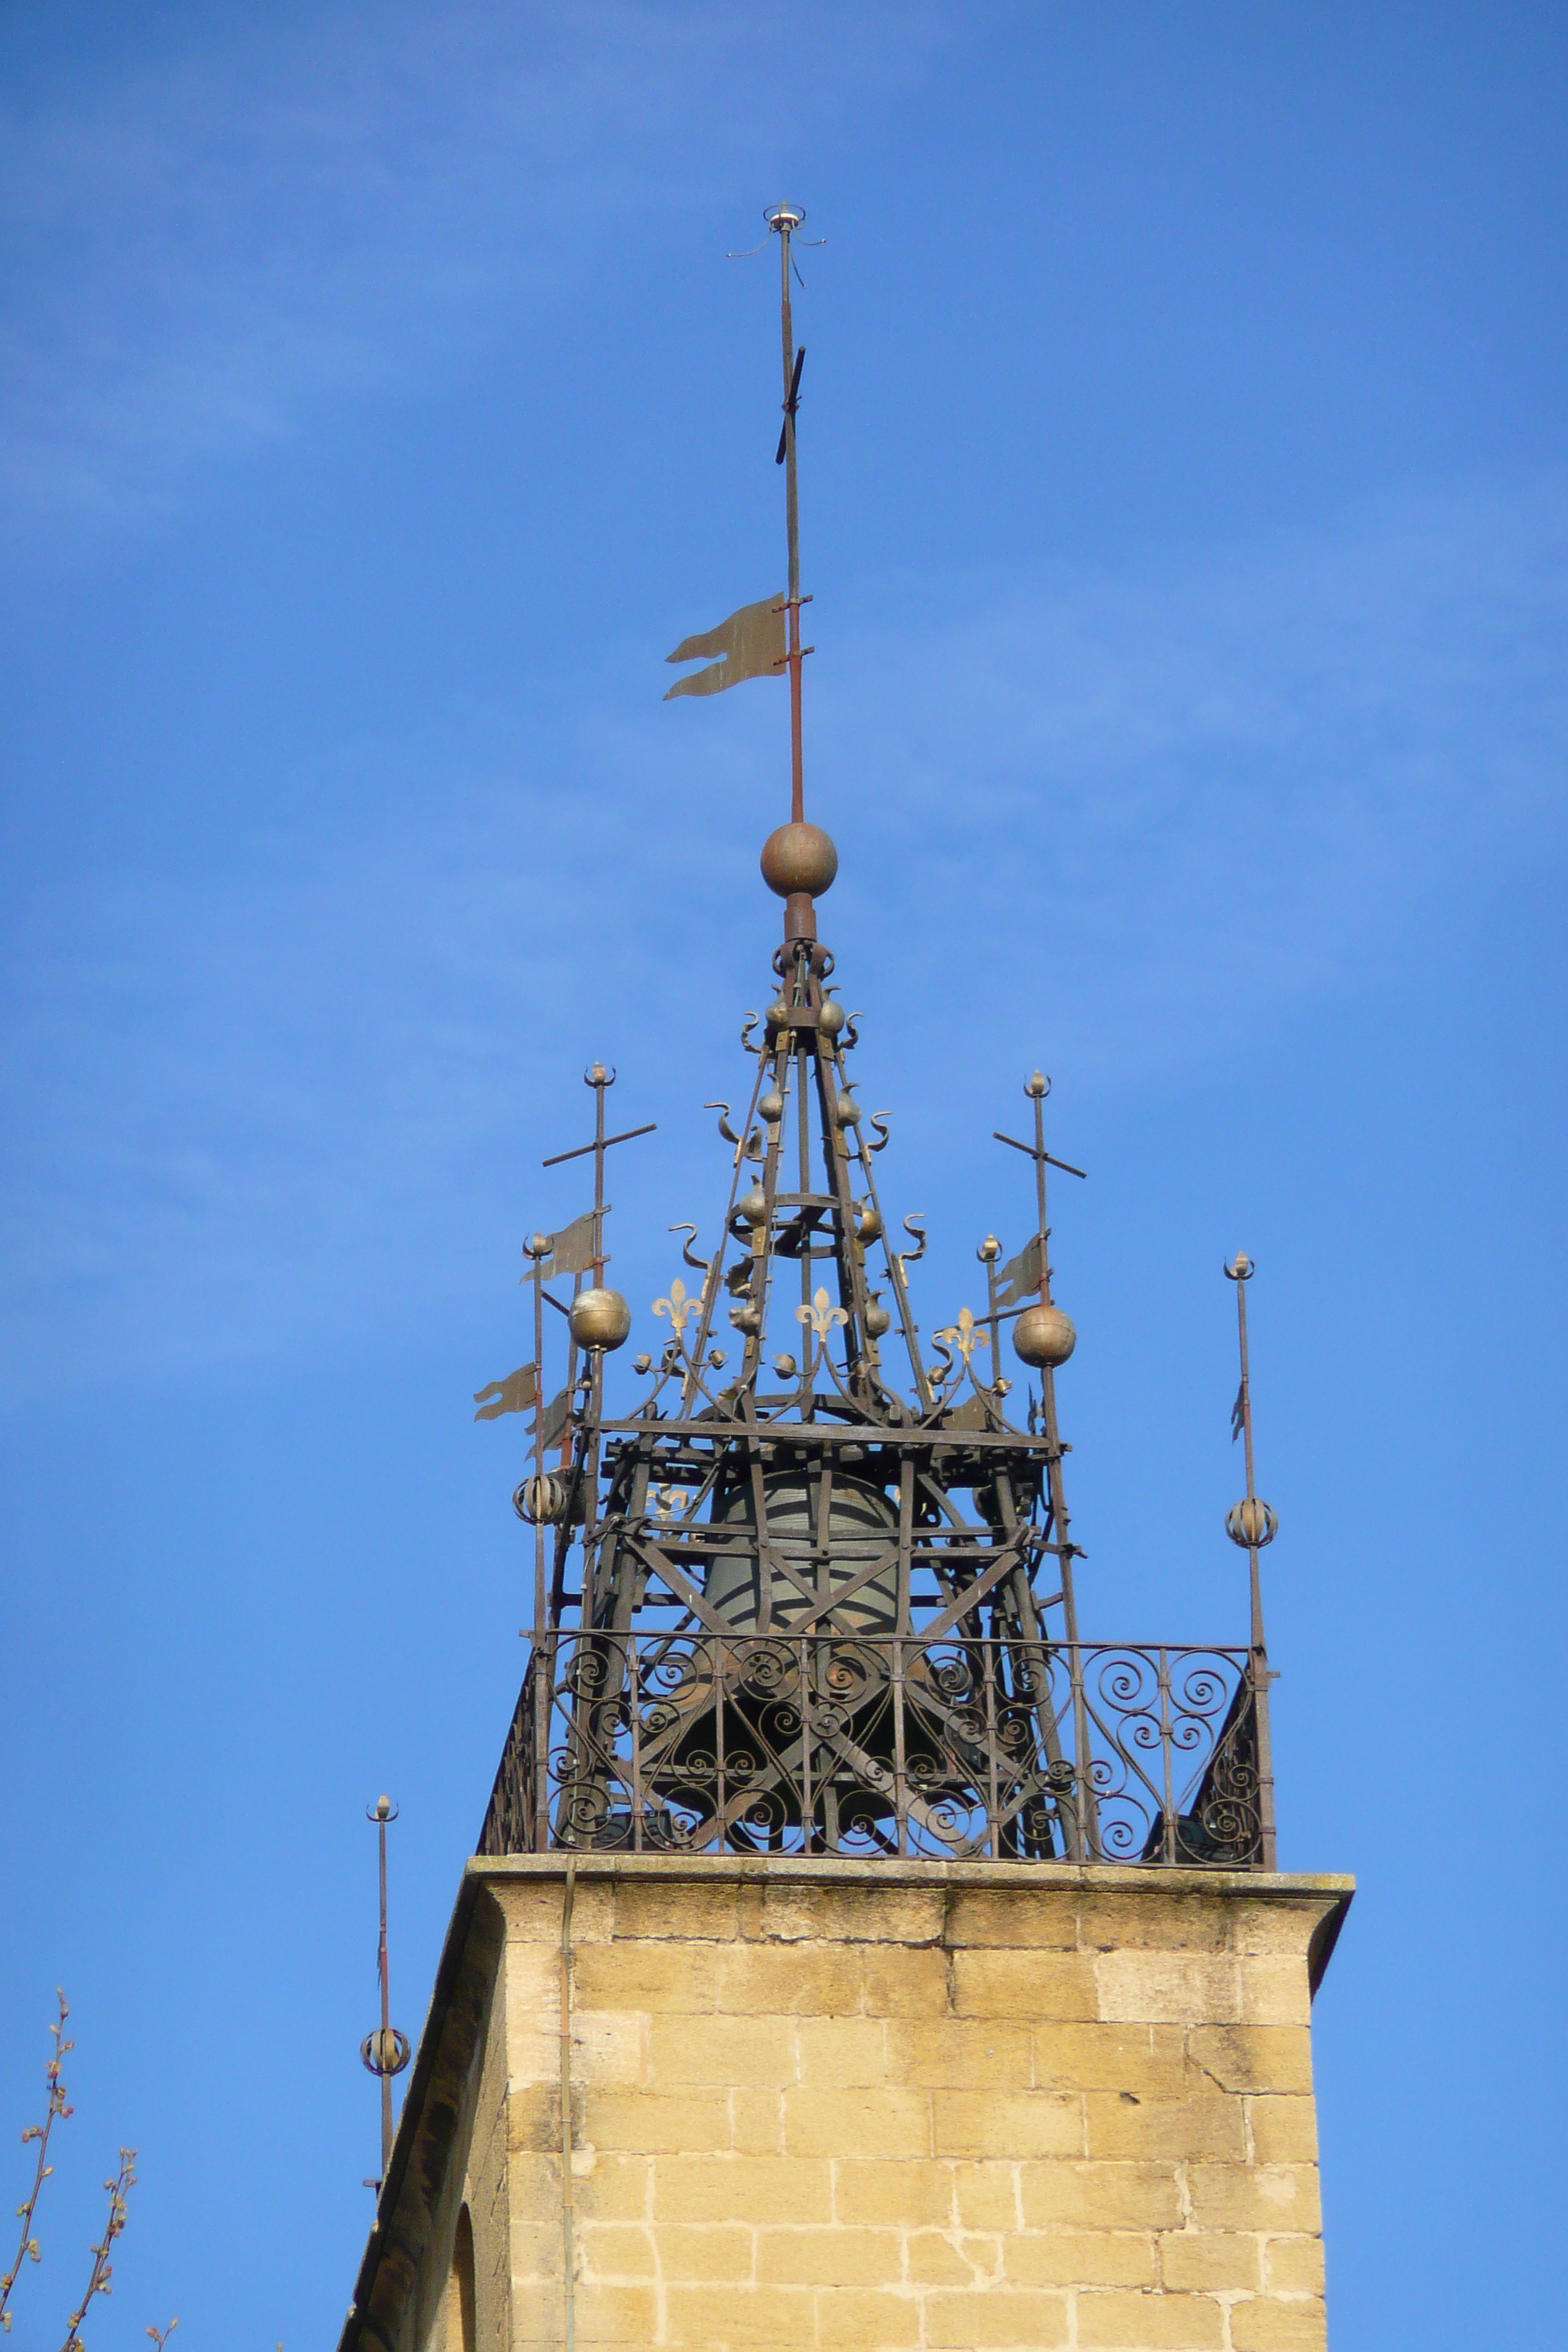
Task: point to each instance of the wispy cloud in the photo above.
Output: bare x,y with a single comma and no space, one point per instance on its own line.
254,215
300,1102
1231,781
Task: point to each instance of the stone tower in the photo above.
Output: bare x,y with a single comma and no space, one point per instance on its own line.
856,1955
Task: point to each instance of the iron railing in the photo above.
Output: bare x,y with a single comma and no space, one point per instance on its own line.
822,1743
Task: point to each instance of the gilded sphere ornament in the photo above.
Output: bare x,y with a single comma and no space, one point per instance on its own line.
830,1016
1043,1335
799,857
751,1207
868,1224
877,1320
846,1111
541,1501
779,1013
1251,1521
772,1106
600,1318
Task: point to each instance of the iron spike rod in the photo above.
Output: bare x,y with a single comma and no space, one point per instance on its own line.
386,2006
1240,1273
782,222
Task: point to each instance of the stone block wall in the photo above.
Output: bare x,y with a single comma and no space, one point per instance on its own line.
888,2105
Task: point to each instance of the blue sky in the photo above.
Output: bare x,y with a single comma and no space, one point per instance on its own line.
1186,485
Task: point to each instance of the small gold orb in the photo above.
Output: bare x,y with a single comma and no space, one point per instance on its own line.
600,1318
799,857
1043,1335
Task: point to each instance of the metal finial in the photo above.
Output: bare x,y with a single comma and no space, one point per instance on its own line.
387,2052
1251,1524
781,217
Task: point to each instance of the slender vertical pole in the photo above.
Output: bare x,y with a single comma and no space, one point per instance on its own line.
785,223
540,1605
542,1658
1085,1831
382,1816
1240,1272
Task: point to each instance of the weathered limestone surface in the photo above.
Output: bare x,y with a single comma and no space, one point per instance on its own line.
890,2104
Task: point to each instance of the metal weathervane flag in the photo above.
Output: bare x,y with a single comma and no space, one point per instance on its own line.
516,1393
751,644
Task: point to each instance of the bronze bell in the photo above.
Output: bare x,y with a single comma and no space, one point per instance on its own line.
862,1524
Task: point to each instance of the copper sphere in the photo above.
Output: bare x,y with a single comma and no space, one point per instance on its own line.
541,1501
752,1208
600,1318
772,1106
799,857
868,1224
877,1320
1251,1521
830,1016
846,1111
1043,1335
779,1013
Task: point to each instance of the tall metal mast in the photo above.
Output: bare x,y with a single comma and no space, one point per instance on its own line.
783,220
387,2052
1252,1523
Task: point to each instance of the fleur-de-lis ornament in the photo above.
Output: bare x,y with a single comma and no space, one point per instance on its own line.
821,1315
965,1335
677,1305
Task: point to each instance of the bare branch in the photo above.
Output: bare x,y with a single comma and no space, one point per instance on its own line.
103,2268
57,2107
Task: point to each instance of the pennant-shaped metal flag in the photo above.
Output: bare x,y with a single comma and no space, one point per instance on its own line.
572,1250
557,1412
750,643
1021,1275
514,1394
